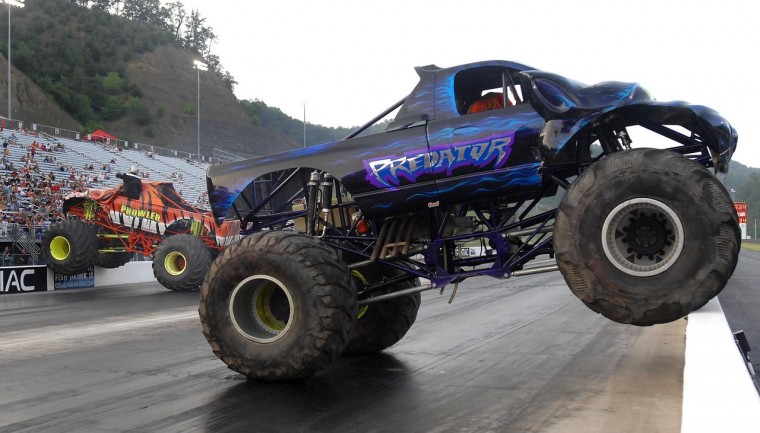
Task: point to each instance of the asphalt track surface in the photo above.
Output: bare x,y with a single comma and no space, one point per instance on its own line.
741,302
520,355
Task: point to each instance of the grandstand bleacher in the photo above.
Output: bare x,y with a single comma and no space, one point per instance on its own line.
93,164
80,154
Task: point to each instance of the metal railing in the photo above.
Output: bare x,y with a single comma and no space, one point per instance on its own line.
52,132
23,244
162,151
56,132
220,155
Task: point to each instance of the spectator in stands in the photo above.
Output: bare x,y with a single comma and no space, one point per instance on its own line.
6,259
202,201
24,257
132,183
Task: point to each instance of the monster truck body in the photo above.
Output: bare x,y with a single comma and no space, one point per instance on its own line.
123,226
444,195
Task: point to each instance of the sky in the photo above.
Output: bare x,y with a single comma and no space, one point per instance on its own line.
347,61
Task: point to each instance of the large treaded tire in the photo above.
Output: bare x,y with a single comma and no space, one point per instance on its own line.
646,236
70,247
278,306
381,325
113,260
181,262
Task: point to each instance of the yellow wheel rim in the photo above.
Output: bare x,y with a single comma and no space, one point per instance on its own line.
175,263
358,275
262,309
60,248
264,314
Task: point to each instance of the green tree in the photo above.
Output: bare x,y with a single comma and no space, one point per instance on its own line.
24,56
146,11
177,15
91,125
102,5
113,108
81,106
229,81
197,36
113,83
139,112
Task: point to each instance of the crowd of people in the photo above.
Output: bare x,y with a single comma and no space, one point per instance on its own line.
32,196
36,176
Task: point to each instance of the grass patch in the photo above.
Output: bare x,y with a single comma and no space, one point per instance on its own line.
751,246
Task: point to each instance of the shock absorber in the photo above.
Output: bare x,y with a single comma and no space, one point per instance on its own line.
311,204
622,134
327,193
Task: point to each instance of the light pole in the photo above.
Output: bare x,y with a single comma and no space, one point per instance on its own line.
18,3
733,194
199,66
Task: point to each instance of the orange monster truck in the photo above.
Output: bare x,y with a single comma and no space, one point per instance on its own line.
105,228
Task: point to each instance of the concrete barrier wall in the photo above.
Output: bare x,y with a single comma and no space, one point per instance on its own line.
718,392
131,273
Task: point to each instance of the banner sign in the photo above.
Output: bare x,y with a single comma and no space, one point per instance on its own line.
741,211
23,279
76,281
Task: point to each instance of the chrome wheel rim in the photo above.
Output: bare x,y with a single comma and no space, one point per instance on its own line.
642,237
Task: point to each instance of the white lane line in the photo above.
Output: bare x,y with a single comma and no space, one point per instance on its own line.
78,331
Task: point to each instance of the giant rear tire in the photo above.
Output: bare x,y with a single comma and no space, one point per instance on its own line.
381,325
277,306
646,236
70,247
181,262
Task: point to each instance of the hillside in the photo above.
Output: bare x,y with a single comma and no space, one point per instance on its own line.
738,177
169,84
166,88
131,78
30,103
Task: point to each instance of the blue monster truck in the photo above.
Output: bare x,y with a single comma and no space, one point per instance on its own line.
341,234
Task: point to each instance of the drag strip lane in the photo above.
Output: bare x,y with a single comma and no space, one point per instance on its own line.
512,355
33,342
